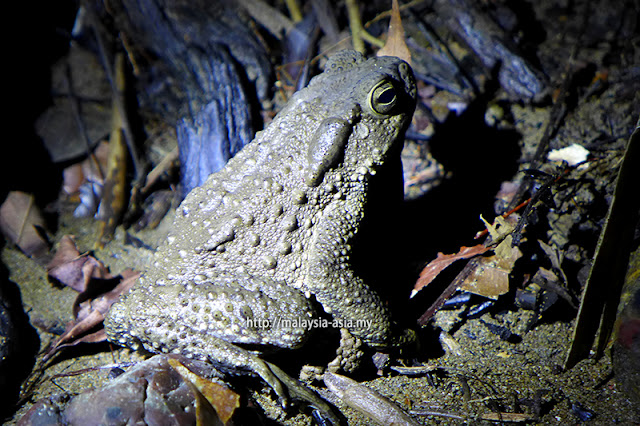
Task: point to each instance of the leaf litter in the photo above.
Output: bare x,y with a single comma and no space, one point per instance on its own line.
98,289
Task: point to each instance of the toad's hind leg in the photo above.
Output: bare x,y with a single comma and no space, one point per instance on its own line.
210,319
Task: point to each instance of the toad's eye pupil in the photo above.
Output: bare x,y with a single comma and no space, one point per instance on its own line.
386,96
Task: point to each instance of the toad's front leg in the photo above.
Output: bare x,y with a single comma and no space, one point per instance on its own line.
343,294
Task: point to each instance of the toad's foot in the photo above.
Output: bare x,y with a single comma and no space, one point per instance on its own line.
349,353
299,391
228,357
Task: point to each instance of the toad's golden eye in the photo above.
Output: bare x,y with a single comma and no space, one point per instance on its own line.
383,97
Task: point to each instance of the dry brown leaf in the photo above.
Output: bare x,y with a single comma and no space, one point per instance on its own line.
65,253
89,314
72,179
103,302
491,277
73,269
555,257
395,45
82,93
19,220
547,275
87,275
208,394
501,227
96,337
433,268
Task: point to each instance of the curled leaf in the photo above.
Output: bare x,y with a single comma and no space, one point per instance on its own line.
73,269
89,315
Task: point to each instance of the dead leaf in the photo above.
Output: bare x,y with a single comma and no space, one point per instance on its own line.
209,395
491,278
88,276
604,288
89,314
395,45
501,227
433,268
549,282
547,275
19,220
79,81
66,252
97,337
487,280
73,269
551,253
72,179
508,222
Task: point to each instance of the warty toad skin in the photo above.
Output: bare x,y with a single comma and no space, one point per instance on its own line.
275,227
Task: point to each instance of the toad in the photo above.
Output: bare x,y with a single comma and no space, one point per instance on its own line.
268,238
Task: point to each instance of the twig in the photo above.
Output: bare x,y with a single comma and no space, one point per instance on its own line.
269,17
294,10
355,24
371,39
158,170
358,33
387,13
447,293
430,413
117,99
75,108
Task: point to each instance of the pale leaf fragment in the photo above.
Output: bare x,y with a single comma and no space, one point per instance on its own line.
573,154
508,417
